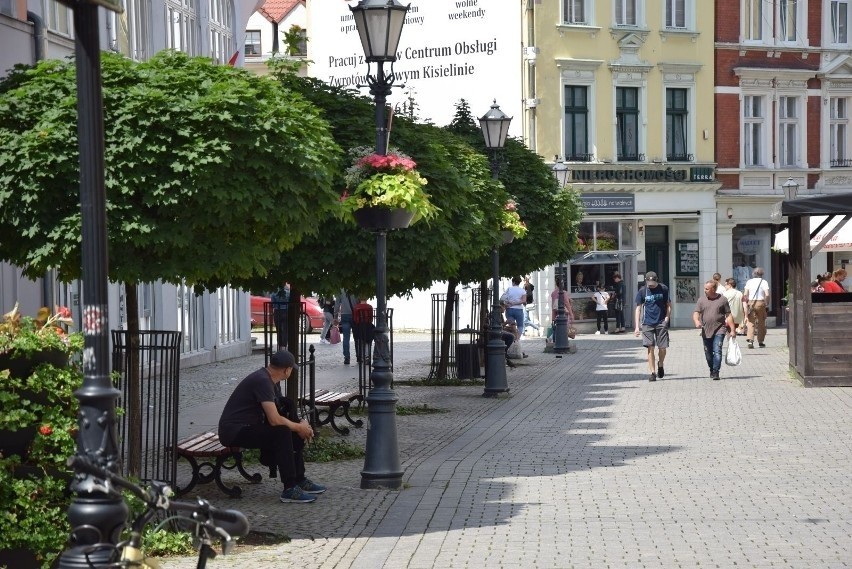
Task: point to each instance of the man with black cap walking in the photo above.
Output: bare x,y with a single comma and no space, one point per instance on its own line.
251,419
653,313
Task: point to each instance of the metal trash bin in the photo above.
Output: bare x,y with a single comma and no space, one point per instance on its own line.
467,361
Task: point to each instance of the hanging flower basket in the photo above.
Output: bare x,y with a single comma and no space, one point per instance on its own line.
382,218
389,182
507,236
511,222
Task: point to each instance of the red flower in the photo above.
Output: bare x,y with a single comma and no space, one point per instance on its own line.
64,312
46,430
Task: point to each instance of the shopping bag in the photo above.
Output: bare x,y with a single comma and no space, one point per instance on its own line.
514,351
334,335
734,356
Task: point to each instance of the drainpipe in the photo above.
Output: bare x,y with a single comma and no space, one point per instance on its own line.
39,50
275,38
39,35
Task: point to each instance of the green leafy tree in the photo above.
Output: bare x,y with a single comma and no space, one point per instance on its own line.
210,173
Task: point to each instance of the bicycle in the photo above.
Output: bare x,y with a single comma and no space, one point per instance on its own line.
207,521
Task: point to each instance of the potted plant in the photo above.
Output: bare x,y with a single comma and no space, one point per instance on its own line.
384,191
37,434
511,224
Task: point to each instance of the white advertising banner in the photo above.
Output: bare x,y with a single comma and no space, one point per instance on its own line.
449,50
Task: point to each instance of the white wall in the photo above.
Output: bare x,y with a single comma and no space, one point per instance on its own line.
446,53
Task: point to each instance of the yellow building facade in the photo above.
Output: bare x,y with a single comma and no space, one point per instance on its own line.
621,93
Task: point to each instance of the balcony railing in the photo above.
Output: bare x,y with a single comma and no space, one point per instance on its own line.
631,157
680,157
841,163
580,158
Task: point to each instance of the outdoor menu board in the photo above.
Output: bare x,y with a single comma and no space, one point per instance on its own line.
687,257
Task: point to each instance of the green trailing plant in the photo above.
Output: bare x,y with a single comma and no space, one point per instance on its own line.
34,484
391,180
510,220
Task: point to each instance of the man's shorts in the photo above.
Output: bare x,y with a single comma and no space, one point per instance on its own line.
655,335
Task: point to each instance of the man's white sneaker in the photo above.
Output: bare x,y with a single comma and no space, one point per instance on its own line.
598,333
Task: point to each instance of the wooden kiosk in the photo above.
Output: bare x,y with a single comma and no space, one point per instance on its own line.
820,325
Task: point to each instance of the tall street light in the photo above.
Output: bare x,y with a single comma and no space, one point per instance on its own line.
560,325
495,128
379,24
95,516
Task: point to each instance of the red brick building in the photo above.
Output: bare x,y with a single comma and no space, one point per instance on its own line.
783,92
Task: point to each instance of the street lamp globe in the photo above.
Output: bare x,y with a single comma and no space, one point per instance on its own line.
495,127
379,24
791,189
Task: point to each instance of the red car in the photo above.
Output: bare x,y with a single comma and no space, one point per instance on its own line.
313,320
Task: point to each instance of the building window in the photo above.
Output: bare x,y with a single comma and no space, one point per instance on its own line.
753,125
58,18
627,123
181,26
838,132
788,129
625,13
6,7
753,20
253,48
675,13
787,19
839,21
221,36
676,117
131,29
577,124
575,11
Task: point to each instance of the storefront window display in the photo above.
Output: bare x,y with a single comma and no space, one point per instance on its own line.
593,266
751,248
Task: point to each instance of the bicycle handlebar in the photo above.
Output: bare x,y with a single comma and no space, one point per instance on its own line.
227,523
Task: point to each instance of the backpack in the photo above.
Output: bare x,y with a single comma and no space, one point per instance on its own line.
362,313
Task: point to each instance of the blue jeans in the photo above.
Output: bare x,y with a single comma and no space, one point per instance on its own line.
346,332
517,313
713,351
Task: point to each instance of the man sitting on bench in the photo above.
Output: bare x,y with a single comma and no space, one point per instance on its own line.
251,419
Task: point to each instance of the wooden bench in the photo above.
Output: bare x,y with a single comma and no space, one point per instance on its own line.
215,457
335,404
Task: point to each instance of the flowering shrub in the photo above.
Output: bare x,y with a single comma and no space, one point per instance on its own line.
376,180
22,335
34,487
510,219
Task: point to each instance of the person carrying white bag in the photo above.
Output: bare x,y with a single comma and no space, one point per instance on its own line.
713,316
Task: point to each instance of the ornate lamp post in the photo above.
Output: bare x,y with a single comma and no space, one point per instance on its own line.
495,128
379,24
791,189
95,516
560,325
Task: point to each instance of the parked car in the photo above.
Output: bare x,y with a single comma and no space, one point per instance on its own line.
312,321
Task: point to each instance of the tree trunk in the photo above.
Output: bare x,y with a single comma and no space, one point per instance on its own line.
447,330
133,402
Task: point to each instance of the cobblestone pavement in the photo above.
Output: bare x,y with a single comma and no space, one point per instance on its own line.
584,464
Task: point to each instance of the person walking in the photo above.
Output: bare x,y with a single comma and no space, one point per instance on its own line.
653,314
251,419
328,315
756,295
735,302
617,301
280,308
713,317
515,297
601,298
343,309
529,307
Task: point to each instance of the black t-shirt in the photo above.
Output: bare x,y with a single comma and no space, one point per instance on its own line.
243,406
529,288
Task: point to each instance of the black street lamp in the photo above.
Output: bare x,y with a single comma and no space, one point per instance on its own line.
95,516
560,325
495,128
379,24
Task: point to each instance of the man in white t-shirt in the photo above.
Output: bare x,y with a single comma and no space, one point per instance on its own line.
602,309
756,295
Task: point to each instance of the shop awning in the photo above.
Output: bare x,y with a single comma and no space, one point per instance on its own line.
831,233
598,257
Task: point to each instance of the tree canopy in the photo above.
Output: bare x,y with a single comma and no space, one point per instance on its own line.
210,171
